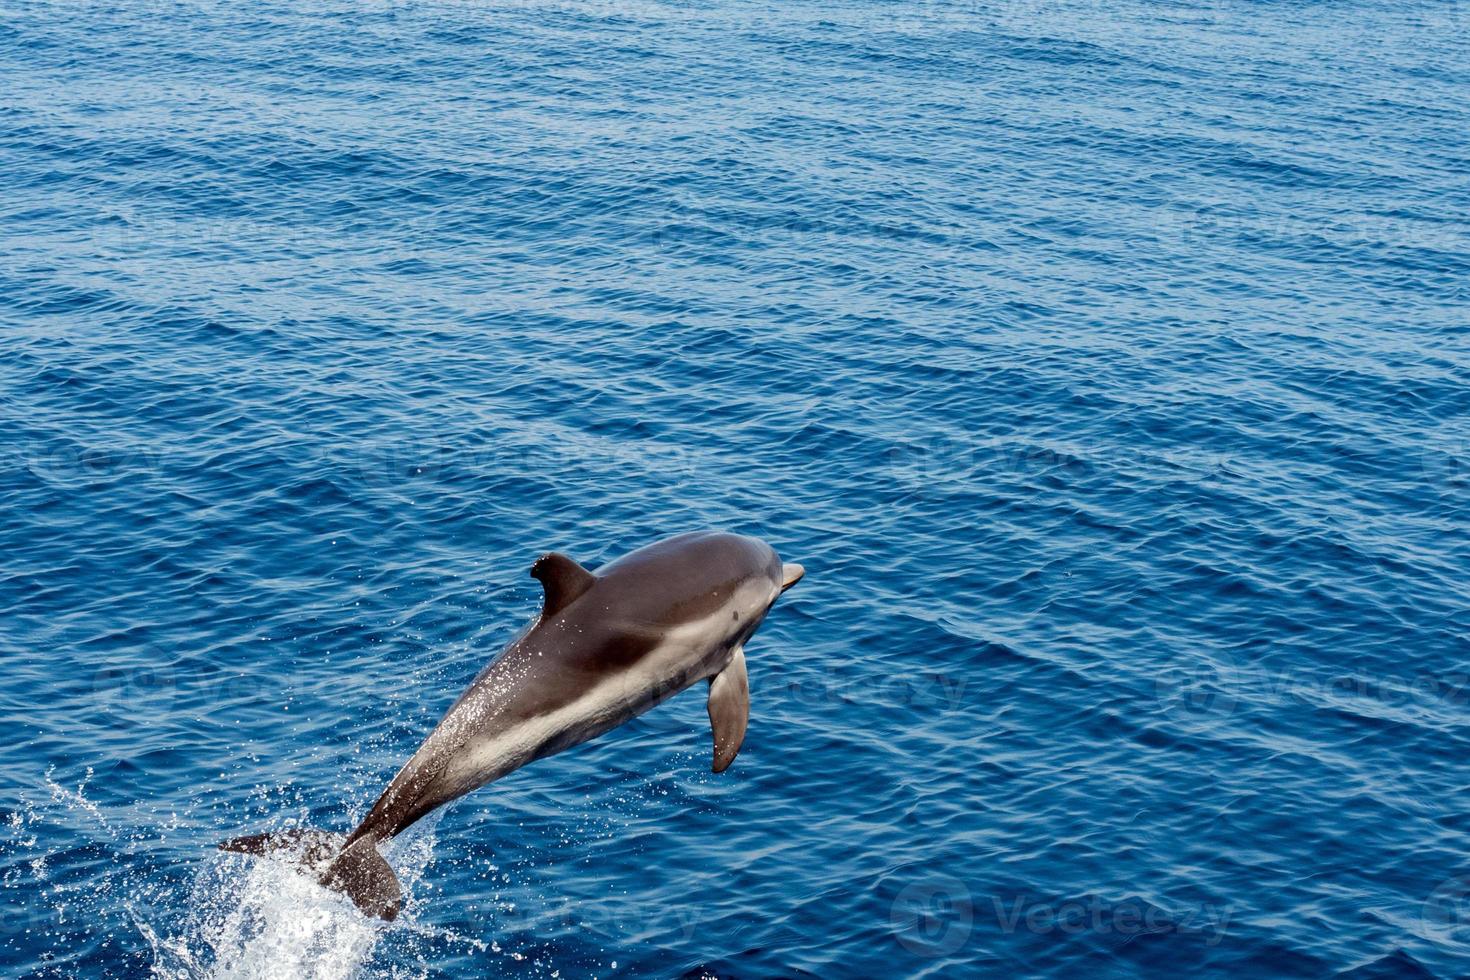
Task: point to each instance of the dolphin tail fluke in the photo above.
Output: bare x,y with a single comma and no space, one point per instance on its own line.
307,847
361,874
357,871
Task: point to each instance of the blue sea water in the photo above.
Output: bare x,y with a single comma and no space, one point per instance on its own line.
1104,361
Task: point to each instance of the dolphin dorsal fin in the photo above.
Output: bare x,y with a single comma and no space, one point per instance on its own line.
562,578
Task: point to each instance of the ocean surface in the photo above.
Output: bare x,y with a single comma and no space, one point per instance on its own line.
1107,365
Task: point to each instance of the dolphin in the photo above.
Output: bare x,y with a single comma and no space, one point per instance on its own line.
605,647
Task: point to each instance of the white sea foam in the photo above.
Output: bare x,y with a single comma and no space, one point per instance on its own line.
254,918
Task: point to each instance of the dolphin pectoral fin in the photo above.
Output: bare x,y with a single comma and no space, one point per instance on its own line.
562,578
362,875
729,710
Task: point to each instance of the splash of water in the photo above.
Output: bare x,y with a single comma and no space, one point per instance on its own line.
252,918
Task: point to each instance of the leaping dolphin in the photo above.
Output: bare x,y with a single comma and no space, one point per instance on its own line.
606,647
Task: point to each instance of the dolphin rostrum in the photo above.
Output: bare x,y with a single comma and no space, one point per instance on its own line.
606,646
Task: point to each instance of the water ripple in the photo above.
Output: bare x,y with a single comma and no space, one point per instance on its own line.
1103,363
